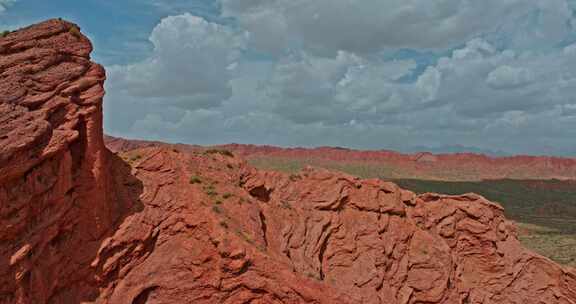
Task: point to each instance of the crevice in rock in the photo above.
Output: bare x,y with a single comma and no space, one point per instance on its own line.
78,147
264,228
327,230
321,257
261,193
58,116
144,295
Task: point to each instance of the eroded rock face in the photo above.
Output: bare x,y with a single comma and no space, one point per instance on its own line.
57,199
382,244
233,234
175,224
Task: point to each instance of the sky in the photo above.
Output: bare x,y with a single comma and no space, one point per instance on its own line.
494,76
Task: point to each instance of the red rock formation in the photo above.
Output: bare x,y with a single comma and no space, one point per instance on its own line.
382,244
58,197
174,224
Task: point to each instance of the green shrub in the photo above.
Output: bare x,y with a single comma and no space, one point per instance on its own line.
4,33
220,151
227,195
195,180
136,157
74,31
211,192
247,237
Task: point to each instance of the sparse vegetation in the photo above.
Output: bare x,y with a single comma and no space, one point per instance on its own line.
210,190
4,33
247,237
216,209
312,275
130,158
285,205
195,180
136,157
74,31
220,151
227,195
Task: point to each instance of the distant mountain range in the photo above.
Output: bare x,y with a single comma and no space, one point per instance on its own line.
458,149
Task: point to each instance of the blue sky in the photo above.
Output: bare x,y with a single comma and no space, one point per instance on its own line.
444,75
118,29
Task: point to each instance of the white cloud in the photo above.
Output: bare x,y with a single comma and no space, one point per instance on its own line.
190,64
505,77
325,26
307,88
429,83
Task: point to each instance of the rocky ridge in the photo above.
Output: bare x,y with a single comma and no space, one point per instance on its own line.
396,165
173,224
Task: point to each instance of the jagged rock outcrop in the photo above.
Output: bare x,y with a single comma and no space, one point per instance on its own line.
175,224
58,194
382,244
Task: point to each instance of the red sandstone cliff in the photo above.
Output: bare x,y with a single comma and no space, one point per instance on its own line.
58,193
172,224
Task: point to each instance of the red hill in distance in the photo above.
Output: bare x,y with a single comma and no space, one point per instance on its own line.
425,165
393,165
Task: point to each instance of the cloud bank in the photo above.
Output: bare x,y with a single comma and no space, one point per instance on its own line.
371,74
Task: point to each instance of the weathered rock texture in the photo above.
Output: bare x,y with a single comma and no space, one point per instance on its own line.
165,224
58,193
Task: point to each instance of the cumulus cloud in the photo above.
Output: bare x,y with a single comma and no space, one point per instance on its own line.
191,65
307,89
